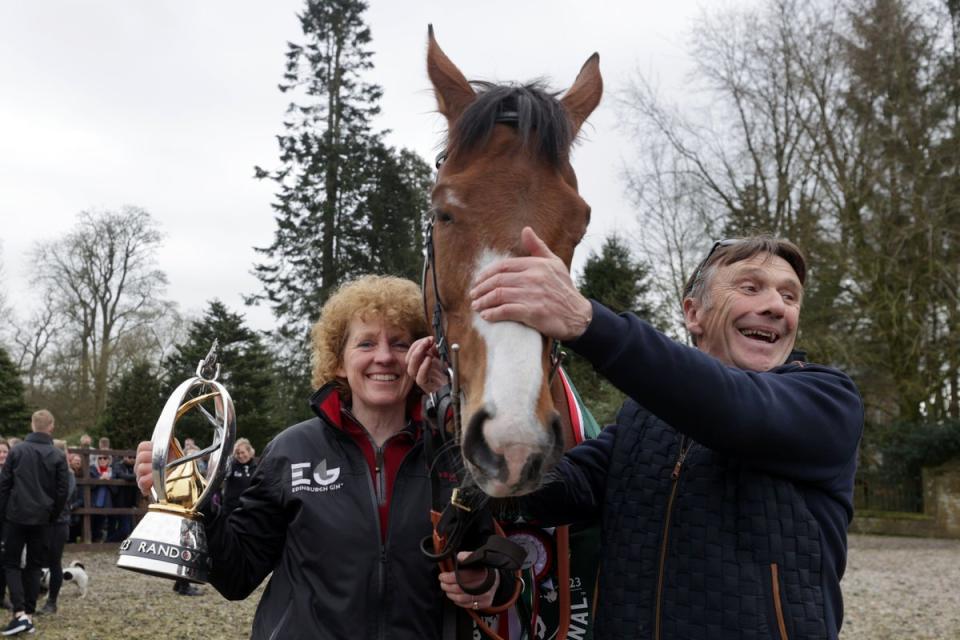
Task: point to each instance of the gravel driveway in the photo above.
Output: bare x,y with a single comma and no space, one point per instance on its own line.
901,588
894,588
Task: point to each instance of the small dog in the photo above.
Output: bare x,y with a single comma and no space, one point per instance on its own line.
75,573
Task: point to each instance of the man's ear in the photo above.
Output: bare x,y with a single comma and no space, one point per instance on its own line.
693,317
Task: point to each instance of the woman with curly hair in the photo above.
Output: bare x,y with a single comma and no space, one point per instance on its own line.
338,504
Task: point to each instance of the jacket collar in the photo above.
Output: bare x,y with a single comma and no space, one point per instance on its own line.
38,436
329,407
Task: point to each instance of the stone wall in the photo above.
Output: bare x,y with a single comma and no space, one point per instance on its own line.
941,509
941,497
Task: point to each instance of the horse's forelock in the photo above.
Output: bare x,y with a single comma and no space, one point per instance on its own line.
542,123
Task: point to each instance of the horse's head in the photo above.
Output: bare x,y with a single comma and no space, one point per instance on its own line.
506,166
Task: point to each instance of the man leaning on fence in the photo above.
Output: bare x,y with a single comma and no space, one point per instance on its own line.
33,490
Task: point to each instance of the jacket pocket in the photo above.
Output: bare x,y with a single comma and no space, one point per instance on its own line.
776,598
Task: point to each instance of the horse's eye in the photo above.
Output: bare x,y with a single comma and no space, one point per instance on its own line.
443,216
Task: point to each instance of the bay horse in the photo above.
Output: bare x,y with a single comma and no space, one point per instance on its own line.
506,165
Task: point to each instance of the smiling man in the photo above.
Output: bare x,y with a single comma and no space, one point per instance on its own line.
726,487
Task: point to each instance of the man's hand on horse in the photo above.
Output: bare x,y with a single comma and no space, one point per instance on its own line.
536,290
471,578
424,365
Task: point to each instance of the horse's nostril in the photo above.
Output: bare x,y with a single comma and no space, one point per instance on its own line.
531,472
478,452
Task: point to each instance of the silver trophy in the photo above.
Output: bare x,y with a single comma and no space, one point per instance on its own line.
170,540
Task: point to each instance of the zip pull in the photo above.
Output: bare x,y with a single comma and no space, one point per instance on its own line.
684,447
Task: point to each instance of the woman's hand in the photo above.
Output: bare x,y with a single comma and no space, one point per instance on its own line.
424,365
143,467
471,578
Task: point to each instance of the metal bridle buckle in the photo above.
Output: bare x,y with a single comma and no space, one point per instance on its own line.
455,501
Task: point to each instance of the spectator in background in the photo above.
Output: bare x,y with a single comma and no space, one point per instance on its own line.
57,538
4,450
242,466
33,490
123,498
86,442
191,448
104,443
101,496
76,502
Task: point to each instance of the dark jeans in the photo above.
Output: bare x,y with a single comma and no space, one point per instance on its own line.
57,537
24,585
120,528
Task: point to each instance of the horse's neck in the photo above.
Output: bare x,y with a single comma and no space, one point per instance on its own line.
559,395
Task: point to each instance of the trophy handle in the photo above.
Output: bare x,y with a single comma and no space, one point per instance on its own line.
225,430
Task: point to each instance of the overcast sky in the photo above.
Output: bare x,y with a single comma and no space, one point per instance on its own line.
169,105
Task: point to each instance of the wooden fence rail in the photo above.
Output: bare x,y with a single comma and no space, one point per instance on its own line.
88,511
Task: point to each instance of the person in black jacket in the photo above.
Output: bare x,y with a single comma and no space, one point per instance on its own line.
57,537
725,489
338,505
124,498
239,474
33,491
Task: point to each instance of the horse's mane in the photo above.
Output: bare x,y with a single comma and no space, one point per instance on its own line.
539,118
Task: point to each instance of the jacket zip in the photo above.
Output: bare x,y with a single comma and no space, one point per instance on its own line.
675,481
386,543
378,493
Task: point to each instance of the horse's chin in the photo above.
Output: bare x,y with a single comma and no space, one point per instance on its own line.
497,489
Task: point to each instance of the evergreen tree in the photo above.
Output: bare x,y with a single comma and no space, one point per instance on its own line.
245,370
346,204
322,148
617,280
399,188
339,185
14,416
133,406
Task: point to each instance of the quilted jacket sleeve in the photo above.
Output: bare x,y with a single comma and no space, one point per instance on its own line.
573,491
799,421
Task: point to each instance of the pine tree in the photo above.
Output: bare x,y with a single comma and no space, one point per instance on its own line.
392,237
346,204
246,370
133,406
617,280
325,138
14,416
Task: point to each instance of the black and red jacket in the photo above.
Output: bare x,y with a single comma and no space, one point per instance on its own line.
312,517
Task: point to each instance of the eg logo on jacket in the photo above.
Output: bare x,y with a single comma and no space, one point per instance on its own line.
321,480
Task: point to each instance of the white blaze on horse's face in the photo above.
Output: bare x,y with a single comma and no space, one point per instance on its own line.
506,165
514,377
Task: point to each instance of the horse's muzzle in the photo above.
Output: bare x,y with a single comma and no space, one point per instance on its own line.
510,468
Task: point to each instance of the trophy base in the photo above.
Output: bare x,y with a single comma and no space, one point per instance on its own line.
169,543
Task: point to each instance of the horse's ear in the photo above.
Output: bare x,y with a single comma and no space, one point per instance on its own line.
453,91
584,96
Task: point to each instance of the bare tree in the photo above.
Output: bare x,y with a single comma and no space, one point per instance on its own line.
833,123
101,276
32,338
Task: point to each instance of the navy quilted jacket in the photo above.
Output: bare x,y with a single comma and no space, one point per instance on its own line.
724,495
